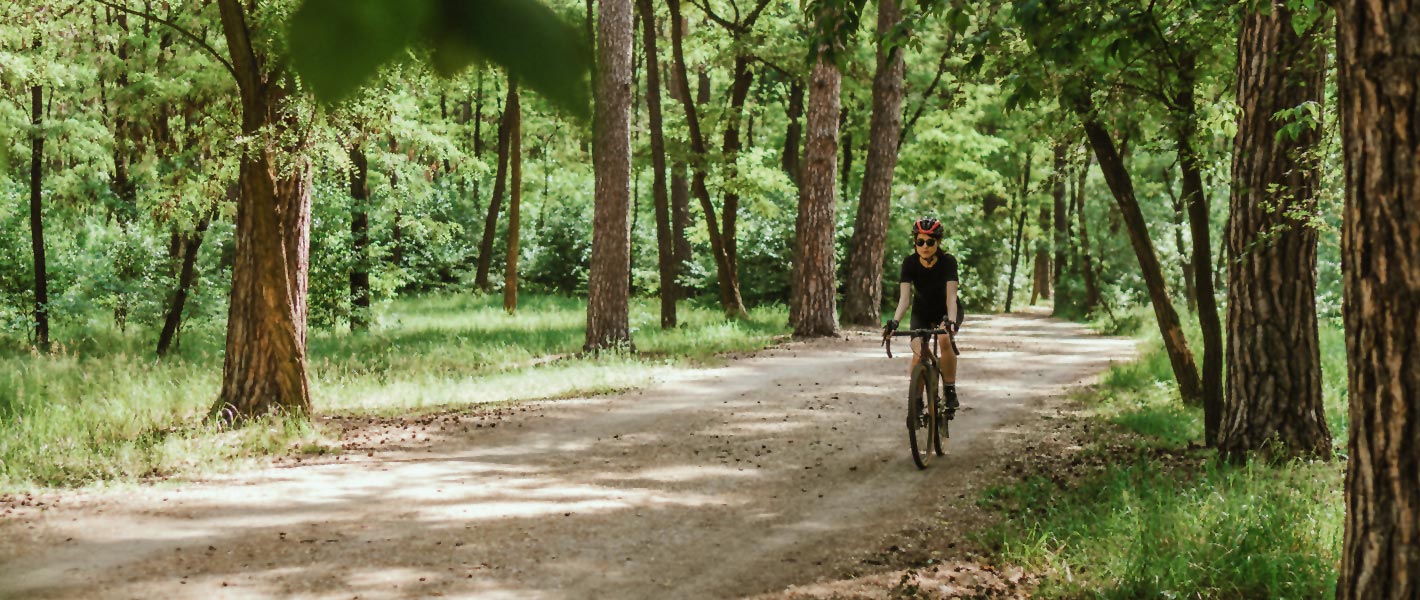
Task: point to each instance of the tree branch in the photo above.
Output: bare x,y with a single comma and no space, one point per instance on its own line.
199,41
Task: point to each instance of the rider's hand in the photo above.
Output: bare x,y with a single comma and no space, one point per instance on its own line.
890,327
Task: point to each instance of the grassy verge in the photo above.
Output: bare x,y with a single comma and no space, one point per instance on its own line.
103,409
1142,511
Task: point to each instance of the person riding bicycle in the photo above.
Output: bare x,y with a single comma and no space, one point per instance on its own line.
932,274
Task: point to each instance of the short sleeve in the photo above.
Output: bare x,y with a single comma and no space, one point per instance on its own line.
904,275
952,268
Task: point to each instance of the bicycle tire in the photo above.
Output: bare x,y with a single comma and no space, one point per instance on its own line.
921,428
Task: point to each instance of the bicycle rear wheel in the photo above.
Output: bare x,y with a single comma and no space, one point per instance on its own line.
921,419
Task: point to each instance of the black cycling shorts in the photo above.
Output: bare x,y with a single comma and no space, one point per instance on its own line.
927,320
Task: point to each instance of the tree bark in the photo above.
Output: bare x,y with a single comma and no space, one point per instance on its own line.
500,182
1274,399
680,224
863,294
730,297
1041,286
37,216
793,135
515,195
607,307
173,320
846,144
265,365
814,306
1122,186
1190,293
1379,91
665,243
359,239
1087,267
739,92
1020,232
1062,230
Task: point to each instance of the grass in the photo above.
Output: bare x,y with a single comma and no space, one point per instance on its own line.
1142,513
102,409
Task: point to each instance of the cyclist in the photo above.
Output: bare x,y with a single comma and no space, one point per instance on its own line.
932,274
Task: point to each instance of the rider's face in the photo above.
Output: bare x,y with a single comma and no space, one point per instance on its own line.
926,245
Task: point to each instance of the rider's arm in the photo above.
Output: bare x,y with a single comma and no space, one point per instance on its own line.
903,299
952,301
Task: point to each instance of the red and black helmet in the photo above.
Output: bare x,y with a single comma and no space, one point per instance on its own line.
927,226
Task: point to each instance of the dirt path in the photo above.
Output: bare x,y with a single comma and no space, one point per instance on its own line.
784,467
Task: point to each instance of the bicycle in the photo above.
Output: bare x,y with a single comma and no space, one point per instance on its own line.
926,426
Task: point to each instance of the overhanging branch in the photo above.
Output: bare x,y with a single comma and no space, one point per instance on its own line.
188,34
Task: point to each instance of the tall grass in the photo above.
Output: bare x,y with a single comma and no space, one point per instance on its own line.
1157,517
103,409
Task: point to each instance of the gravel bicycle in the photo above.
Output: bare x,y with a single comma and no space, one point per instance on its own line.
927,422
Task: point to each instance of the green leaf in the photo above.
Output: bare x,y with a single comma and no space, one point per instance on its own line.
338,44
524,36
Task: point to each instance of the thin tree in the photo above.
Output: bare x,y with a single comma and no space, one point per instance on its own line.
359,239
37,214
665,242
1040,286
1087,267
862,298
1274,399
515,195
607,287
500,183
1064,303
1379,91
190,245
1020,230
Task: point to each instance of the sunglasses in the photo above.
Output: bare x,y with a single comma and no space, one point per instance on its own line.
929,242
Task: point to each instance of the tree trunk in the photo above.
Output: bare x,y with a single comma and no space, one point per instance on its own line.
814,306
495,203
1122,186
1274,399
359,240
1087,267
1379,91
1041,286
515,195
665,244
846,144
607,306
37,216
1190,293
739,91
729,283
265,365
1061,243
794,133
1020,232
863,296
680,224
173,319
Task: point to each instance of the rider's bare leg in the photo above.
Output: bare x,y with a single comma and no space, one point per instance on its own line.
947,360
916,358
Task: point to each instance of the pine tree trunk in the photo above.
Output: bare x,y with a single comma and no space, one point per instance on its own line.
665,244
680,224
1064,303
515,195
265,365
37,216
1041,288
1122,186
1274,396
1379,91
1087,267
359,239
814,306
794,133
1020,232
173,319
863,293
1209,323
739,92
845,140
495,203
607,307
1190,293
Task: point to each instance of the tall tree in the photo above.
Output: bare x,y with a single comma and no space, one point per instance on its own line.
37,214
190,245
359,238
265,366
515,195
1379,91
862,298
1064,302
665,243
1020,230
794,132
607,287
1040,287
1087,263
500,183
1274,396
814,305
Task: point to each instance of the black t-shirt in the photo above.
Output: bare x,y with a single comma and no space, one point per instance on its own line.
929,285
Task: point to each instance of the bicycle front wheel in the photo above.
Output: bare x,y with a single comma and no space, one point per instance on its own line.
921,419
